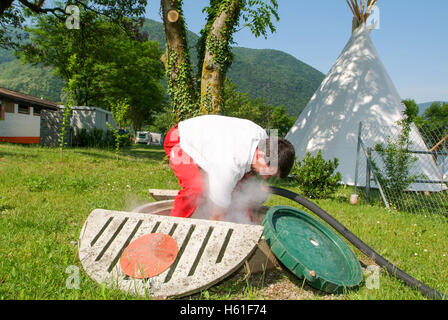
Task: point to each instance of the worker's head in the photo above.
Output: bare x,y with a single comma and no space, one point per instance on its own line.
274,157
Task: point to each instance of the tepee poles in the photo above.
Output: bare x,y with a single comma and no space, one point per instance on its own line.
361,11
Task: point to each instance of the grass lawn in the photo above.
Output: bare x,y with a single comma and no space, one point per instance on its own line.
44,202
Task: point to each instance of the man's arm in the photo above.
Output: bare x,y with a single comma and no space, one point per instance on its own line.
218,213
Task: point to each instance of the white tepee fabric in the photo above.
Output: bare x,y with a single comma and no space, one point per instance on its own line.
443,167
357,89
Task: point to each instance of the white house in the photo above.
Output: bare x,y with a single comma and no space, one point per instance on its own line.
20,116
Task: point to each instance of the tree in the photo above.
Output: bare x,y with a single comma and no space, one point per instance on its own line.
119,110
411,111
13,12
163,122
281,121
10,19
191,95
100,62
240,105
434,123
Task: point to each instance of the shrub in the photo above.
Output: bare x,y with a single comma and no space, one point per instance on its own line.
124,140
317,177
96,137
109,139
81,138
395,175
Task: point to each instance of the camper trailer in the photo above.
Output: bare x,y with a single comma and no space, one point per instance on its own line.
143,137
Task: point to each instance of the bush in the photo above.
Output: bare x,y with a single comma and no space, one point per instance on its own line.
316,176
109,139
124,140
96,138
395,175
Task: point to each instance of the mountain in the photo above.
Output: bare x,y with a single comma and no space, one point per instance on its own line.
275,76
38,81
272,75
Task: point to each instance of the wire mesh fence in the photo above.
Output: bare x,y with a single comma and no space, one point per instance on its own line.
403,167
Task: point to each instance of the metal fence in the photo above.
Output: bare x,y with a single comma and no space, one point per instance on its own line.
403,167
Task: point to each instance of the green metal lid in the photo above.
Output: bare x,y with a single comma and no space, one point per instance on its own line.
310,249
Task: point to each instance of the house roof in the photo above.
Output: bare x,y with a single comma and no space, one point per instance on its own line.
84,108
26,98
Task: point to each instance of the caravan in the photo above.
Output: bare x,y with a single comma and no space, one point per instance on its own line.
143,137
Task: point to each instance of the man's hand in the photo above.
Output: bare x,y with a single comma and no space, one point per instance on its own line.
217,217
218,213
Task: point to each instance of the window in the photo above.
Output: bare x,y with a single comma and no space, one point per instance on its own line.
23,109
36,111
9,107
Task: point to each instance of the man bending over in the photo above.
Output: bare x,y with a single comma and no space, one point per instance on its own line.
221,152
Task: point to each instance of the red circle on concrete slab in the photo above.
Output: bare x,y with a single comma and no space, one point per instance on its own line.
149,255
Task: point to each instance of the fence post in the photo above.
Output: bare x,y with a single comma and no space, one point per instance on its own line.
358,149
369,155
443,164
369,163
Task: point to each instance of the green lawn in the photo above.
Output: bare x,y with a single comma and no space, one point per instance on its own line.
44,202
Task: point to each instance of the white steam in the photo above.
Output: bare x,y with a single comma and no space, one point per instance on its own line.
248,194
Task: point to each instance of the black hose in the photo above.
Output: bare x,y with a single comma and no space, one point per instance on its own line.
391,269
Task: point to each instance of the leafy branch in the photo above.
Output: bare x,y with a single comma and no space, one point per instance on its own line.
119,111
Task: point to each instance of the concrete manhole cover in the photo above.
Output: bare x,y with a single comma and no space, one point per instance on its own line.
208,251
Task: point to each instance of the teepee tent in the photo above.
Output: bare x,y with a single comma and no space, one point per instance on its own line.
357,89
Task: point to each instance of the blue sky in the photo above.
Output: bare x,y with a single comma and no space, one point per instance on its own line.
412,39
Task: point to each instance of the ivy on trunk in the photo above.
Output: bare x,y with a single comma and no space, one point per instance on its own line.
202,94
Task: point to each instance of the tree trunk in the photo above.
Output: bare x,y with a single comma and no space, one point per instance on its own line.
217,58
177,63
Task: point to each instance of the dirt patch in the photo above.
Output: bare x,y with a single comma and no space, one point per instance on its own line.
280,284
276,284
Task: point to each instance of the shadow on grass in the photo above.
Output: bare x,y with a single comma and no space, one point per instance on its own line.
23,153
145,152
88,153
134,151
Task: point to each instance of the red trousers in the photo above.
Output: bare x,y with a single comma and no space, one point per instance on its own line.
188,174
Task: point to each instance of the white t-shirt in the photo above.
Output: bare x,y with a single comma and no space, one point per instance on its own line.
224,148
